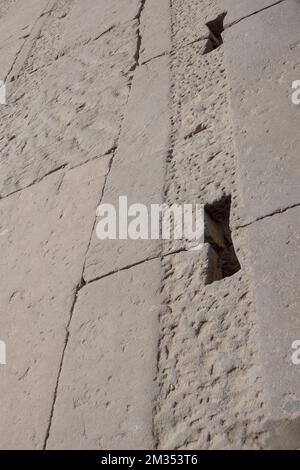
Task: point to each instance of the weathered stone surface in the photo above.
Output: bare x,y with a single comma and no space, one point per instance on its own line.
202,165
265,120
236,10
45,231
99,17
49,44
211,393
20,19
7,57
5,5
208,372
22,56
274,247
285,434
190,18
155,29
17,26
107,386
139,357
142,150
67,113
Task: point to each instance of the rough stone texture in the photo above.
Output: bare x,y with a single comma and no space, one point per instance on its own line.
19,20
142,150
107,386
266,121
45,232
99,17
107,347
237,10
155,29
65,110
273,243
5,5
202,166
210,382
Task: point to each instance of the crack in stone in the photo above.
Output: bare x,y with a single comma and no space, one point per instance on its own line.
252,14
163,54
77,290
36,181
160,256
267,216
82,281
51,5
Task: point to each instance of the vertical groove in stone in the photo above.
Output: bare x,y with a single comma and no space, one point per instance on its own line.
210,385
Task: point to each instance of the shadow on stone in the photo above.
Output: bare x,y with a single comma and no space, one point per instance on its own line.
216,28
223,259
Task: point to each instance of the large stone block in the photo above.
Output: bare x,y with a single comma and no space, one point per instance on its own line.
107,387
262,60
274,247
45,231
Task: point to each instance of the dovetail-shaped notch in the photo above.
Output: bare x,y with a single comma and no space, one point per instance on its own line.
223,261
216,28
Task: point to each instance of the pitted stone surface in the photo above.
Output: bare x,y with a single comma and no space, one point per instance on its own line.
14,30
237,10
49,44
211,390
19,20
5,5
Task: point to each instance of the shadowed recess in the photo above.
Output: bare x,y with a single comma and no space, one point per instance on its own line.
223,261
216,28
